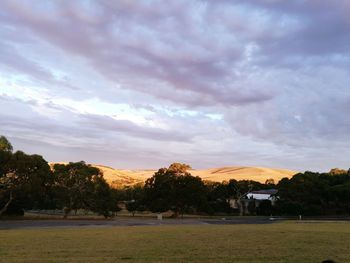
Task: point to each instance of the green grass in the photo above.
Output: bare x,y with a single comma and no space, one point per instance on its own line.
281,242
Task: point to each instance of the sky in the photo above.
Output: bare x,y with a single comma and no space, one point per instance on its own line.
142,84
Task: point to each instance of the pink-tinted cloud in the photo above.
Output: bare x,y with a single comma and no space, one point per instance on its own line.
274,74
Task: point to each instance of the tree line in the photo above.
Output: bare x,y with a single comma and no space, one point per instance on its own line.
29,182
308,193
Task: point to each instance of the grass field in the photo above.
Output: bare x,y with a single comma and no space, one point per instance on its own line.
280,242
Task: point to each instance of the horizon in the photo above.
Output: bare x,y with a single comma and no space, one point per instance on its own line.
165,166
210,84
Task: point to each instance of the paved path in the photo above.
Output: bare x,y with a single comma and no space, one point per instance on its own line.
15,224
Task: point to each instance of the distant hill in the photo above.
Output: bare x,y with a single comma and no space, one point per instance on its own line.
259,174
120,177
124,177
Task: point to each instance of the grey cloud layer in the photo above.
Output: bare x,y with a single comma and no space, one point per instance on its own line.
122,46
277,71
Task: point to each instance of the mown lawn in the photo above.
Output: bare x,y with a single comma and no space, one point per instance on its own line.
280,242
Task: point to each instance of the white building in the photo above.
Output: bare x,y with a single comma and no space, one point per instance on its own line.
268,194
254,198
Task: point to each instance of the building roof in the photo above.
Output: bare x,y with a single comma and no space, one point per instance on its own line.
265,192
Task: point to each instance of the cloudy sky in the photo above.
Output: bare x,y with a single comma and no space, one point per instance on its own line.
140,84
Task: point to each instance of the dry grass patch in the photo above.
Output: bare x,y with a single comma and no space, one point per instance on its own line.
282,242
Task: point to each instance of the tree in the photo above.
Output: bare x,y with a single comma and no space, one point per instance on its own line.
159,191
6,182
82,186
264,208
337,171
5,145
174,189
35,190
179,168
104,202
238,191
315,194
135,197
270,182
24,181
133,206
189,193
74,185
217,197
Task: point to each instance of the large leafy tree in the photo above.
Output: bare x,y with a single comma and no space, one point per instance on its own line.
7,181
104,200
74,185
189,194
34,180
135,196
218,197
5,144
174,189
179,168
82,186
159,191
24,181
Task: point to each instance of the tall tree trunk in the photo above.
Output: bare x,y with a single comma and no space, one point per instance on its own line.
3,210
